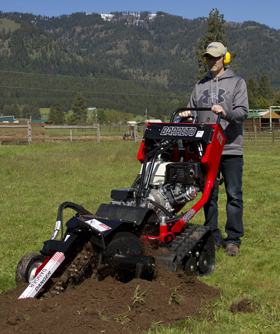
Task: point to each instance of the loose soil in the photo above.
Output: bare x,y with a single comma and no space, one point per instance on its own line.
245,305
108,306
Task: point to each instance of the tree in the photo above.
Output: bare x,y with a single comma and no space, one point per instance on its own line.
35,111
12,110
26,111
101,116
253,92
265,89
144,15
276,101
125,117
56,114
113,116
79,109
262,103
215,33
159,114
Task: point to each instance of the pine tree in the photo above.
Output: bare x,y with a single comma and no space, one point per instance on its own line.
12,110
35,111
215,33
159,113
56,114
79,109
276,101
265,89
26,111
253,92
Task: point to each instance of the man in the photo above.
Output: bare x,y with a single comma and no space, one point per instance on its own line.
226,93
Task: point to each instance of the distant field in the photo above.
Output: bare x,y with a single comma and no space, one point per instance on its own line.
36,179
8,24
45,113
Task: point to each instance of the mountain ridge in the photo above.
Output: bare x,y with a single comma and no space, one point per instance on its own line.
158,52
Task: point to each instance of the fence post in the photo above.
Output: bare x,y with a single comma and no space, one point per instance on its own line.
29,133
98,133
70,135
273,129
135,133
44,132
255,134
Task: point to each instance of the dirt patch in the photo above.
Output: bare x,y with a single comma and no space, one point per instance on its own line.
107,306
245,305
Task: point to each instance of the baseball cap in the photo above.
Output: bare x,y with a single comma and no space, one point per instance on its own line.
215,49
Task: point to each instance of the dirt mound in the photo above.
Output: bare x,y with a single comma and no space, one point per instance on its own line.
107,306
245,305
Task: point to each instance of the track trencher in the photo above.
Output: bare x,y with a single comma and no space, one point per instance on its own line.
179,160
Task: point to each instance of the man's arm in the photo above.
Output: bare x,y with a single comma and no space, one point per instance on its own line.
240,105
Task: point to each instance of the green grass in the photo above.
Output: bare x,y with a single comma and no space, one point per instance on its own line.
45,113
36,179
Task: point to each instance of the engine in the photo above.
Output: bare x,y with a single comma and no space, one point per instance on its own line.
168,185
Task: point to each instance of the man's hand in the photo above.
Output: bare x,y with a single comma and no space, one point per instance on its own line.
216,109
185,114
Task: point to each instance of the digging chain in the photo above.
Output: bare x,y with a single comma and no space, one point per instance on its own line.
76,270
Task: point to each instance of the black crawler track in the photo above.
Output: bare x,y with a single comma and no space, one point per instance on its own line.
193,243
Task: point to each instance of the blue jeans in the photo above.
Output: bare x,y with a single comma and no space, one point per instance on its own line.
231,167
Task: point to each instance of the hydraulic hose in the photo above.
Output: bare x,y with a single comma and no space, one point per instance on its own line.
59,220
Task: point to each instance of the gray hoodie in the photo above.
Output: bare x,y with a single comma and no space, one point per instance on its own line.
229,91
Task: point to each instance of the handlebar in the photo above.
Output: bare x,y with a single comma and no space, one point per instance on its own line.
192,109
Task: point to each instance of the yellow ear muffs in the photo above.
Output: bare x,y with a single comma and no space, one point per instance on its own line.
226,58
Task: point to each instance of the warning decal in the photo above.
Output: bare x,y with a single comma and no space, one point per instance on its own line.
43,276
97,225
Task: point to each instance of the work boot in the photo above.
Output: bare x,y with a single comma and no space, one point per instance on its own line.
232,249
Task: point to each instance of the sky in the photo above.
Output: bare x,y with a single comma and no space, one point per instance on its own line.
264,12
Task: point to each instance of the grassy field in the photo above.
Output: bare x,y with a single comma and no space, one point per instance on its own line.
8,25
36,179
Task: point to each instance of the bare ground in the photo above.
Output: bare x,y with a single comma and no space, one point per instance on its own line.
107,306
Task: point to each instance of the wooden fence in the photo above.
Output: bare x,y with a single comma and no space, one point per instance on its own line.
27,132
21,132
71,128
262,133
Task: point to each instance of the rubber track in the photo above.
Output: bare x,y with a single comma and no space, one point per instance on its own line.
182,245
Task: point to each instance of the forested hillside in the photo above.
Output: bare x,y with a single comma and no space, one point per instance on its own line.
129,64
